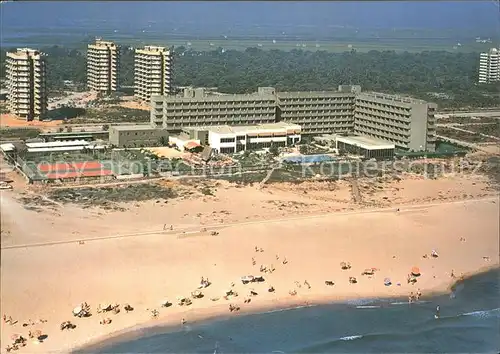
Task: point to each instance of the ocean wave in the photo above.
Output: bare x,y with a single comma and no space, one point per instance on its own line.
357,336
328,344
406,302
360,302
287,309
368,307
483,313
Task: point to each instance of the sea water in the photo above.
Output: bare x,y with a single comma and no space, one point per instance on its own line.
469,323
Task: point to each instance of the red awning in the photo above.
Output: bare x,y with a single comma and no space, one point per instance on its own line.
191,145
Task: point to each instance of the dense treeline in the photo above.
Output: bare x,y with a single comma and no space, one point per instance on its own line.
454,75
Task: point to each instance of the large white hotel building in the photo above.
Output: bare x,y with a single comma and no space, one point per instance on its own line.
405,122
489,66
26,83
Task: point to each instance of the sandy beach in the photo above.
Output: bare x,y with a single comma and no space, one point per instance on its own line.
46,280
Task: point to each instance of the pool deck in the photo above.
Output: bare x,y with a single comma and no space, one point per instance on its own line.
309,158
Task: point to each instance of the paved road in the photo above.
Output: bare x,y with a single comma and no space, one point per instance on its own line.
460,124
197,229
470,114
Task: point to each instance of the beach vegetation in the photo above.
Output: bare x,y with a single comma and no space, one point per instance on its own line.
108,196
18,133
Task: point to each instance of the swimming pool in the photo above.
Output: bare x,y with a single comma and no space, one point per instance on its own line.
308,158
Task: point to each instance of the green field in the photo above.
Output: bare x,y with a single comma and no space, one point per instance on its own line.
330,46
332,40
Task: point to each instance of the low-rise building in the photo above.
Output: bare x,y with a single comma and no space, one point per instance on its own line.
365,146
44,148
231,139
132,136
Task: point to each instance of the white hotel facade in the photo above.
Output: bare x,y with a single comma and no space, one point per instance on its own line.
489,66
231,139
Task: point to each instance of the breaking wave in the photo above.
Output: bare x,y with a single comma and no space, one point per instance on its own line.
469,322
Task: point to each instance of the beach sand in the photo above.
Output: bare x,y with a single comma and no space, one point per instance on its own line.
46,282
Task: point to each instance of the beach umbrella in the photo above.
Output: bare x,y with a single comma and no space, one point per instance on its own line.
415,271
387,281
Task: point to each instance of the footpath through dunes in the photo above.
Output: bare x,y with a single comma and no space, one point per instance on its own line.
48,282
206,230
142,209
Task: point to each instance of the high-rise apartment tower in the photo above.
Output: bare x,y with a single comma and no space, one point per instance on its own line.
103,61
26,83
153,70
489,66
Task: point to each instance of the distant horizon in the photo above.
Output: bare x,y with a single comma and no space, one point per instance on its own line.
215,15
439,25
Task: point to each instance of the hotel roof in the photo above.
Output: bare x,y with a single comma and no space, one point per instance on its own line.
54,144
365,142
124,128
227,129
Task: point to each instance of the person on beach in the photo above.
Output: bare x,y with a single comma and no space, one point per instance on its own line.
419,294
437,312
411,297
183,322
306,283
452,274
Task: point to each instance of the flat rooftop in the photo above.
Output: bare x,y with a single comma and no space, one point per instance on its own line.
65,148
394,98
24,53
124,128
227,129
312,94
216,97
366,142
54,144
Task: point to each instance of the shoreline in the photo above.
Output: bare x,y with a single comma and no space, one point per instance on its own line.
145,270
219,312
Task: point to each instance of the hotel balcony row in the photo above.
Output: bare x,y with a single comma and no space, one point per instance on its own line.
390,118
383,107
377,125
401,141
